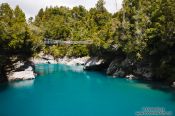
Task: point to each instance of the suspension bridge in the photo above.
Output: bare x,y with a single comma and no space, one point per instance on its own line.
60,42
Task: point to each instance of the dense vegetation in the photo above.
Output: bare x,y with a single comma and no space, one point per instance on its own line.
62,23
16,38
15,35
141,30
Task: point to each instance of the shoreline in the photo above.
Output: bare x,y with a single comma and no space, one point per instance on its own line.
25,71
93,63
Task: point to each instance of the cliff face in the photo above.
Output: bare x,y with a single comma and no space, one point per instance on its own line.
120,67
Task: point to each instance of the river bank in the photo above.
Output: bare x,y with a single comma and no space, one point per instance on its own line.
116,67
61,90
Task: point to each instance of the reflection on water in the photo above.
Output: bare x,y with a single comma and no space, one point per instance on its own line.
44,69
62,91
19,84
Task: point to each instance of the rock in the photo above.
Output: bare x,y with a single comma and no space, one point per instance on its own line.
131,77
144,72
112,67
43,61
173,85
18,64
48,57
73,61
120,67
119,73
22,71
95,63
41,54
52,62
29,68
21,75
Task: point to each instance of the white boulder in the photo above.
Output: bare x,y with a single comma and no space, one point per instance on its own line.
173,84
21,75
131,77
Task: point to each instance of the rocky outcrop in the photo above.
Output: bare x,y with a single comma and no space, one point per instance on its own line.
44,59
119,73
119,67
73,61
95,63
48,59
113,67
22,71
143,72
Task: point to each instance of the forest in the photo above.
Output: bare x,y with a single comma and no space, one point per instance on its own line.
143,31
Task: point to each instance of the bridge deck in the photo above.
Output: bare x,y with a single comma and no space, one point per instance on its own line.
55,42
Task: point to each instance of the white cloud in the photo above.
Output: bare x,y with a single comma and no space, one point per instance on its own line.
31,7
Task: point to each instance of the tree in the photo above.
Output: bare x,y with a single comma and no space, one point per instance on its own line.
30,20
100,6
38,18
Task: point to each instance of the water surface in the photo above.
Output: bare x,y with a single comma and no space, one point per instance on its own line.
62,90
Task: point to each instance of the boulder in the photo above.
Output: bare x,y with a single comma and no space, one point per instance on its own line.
120,67
131,77
173,85
119,73
29,68
21,75
73,61
95,63
22,71
112,67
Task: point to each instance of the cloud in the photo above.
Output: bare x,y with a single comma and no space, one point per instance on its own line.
31,7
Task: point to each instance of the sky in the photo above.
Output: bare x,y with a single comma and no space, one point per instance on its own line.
31,7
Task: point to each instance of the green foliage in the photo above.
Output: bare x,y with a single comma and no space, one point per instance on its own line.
146,32
15,35
142,29
77,24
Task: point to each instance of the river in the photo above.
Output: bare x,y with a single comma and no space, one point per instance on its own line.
61,90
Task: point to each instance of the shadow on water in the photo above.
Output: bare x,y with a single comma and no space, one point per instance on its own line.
44,69
159,86
4,86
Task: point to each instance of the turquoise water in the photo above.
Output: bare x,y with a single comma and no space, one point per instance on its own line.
62,90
